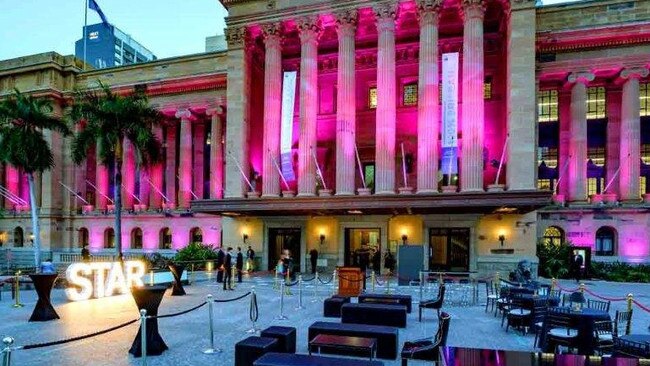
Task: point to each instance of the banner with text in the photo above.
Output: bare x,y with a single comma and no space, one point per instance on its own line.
286,127
450,113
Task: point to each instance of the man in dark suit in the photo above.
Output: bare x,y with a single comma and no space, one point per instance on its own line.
227,270
578,261
313,258
220,257
240,264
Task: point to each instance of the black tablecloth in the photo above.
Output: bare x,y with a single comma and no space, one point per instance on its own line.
43,311
521,290
528,300
149,298
177,271
640,338
583,321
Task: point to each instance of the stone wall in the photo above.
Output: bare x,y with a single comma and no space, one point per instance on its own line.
591,14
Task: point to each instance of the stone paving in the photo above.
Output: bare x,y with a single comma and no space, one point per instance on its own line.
187,335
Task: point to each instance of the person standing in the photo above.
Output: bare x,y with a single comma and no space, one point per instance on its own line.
239,264
250,259
220,258
227,270
578,262
389,262
376,261
85,253
313,258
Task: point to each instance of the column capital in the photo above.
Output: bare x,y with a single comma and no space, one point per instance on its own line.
215,110
184,114
634,73
237,37
385,14
272,33
309,28
472,9
429,11
581,77
346,21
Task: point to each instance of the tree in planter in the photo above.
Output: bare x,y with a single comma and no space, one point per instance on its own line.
23,119
108,120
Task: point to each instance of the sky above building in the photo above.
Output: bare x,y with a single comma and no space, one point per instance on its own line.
166,27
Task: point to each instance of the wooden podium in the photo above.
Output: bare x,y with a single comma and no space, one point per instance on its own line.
350,281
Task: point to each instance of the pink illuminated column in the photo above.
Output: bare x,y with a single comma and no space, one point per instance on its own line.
12,183
156,177
577,173
272,109
386,112
346,104
128,174
102,181
170,164
197,159
185,159
216,152
630,153
471,173
309,32
428,109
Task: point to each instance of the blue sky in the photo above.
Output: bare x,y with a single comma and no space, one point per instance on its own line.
166,27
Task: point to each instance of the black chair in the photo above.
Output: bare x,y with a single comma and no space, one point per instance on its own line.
622,318
517,316
540,310
428,349
503,302
603,336
599,305
628,348
555,293
573,298
434,303
491,296
559,329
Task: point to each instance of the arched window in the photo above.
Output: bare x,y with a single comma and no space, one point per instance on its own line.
165,239
19,237
553,235
196,235
605,241
136,238
83,237
109,238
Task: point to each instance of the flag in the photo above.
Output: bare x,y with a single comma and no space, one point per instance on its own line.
92,4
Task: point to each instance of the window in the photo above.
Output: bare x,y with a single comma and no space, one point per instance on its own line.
369,174
548,156
596,102
196,235
605,239
596,155
19,237
487,89
109,238
595,185
544,184
645,153
372,97
642,185
553,235
410,95
644,96
83,237
547,104
136,238
165,239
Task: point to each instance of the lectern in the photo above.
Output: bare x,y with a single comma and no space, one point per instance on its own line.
350,281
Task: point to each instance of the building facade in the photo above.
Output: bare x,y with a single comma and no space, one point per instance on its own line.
550,141
107,46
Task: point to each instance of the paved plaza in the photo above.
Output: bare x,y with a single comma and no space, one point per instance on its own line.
187,335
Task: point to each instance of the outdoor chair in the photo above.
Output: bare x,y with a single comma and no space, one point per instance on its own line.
434,303
503,302
540,311
627,348
603,336
622,322
428,349
573,298
598,305
491,296
517,316
559,331
555,293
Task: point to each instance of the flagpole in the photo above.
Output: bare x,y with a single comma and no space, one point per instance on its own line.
85,31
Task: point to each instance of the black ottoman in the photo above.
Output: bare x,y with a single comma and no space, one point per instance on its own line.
374,314
247,351
286,337
332,306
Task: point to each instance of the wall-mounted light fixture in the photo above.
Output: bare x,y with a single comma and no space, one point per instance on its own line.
404,238
244,237
322,238
502,238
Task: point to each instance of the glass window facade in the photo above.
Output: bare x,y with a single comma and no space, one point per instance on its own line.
595,185
596,102
487,90
547,106
410,95
596,155
548,156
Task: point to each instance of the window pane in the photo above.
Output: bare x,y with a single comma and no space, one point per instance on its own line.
596,102
410,94
596,155
644,99
547,110
372,97
487,90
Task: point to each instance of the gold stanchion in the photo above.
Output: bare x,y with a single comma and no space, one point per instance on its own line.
276,283
372,280
553,284
628,326
233,276
151,278
581,288
17,304
388,284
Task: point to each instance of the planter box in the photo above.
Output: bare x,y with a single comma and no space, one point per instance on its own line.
364,191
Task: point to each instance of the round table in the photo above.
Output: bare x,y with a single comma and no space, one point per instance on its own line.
149,298
43,311
528,300
582,320
177,271
521,290
639,338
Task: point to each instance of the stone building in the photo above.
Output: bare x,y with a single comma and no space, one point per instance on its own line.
536,132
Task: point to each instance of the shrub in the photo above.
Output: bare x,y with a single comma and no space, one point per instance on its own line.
620,272
196,252
553,259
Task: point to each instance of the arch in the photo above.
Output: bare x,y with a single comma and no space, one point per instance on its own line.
19,237
606,241
109,238
136,238
196,235
165,238
83,237
553,235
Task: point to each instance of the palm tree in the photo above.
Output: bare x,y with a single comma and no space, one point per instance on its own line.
108,119
23,119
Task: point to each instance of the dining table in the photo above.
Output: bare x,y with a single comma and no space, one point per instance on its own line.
583,321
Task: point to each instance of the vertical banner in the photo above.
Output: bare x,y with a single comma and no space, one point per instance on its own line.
286,126
449,113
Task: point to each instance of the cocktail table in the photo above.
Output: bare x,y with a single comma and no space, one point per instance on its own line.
344,343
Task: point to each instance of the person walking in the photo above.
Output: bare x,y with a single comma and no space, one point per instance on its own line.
239,264
227,270
313,258
250,259
85,253
220,259
578,261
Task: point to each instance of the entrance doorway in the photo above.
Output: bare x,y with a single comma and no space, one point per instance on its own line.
361,245
449,249
281,239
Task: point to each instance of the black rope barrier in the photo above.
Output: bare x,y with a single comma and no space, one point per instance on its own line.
178,313
291,284
351,280
325,282
309,280
235,299
64,341
253,311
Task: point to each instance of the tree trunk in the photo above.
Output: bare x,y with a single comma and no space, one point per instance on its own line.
36,228
117,189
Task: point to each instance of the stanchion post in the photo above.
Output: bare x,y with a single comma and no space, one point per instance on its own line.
316,280
421,285
211,350
17,304
281,316
233,276
299,307
372,280
497,279
151,277
254,329
334,282
275,279
630,300
287,281
6,351
553,285
143,335
581,288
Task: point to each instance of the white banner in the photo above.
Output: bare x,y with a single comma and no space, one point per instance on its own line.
450,99
286,127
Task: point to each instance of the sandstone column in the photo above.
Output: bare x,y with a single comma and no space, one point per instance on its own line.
309,32
630,145
386,109
272,109
428,91
577,173
346,104
471,172
216,152
198,132
185,159
155,176
128,174
102,182
170,162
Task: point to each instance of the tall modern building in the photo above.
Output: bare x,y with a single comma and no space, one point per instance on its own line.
471,128
107,46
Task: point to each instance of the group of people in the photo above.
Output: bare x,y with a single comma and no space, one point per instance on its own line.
225,262
285,264
370,258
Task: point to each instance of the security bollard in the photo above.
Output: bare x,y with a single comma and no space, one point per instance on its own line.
316,280
6,351
17,304
211,350
372,280
143,335
299,307
281,316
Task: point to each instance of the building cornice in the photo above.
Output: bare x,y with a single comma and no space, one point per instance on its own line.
589,38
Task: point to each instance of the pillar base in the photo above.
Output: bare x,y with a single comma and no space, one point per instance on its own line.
496,188
472,190
385,193
646,198
344,194
288,194
253,194
405,190
596,199
364,191
168,206
324,192
270,195
86,209
449,189
427,191
610,198
306,194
